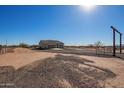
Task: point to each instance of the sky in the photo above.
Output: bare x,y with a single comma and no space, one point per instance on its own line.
73,25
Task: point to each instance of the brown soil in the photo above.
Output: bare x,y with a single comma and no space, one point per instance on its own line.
62,71
21,57
22,50
26,68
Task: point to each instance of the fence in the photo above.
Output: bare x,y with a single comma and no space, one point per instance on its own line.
3,50
104,50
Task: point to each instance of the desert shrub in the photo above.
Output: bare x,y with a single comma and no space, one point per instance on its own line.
0,47
34,46
24,45
90,46
98,44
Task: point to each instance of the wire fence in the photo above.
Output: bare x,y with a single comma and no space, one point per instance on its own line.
109,51
104,50
3,50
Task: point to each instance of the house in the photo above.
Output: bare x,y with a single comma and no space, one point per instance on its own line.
45,44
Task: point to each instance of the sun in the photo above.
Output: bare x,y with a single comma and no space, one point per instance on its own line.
88,7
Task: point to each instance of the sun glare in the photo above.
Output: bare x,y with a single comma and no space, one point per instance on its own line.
88,7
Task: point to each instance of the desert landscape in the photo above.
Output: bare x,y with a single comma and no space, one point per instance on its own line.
58,46
55,68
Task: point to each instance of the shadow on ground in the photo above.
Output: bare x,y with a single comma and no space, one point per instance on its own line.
58,72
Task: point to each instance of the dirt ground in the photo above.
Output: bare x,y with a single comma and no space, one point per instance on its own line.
116,65
22,57
27,68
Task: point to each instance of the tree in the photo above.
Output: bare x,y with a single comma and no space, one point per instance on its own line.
0,47
90,45
23,45
98,44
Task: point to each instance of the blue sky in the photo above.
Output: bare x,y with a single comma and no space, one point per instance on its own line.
73,25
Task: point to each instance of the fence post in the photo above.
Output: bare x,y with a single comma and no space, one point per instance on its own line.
120,43
114,47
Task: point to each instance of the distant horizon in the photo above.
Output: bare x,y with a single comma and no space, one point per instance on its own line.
73,25
64,44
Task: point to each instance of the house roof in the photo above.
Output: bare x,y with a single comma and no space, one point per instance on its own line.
50,41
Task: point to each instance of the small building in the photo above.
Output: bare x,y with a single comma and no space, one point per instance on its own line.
45,44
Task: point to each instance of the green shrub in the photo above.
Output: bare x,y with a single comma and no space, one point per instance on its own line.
23,45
